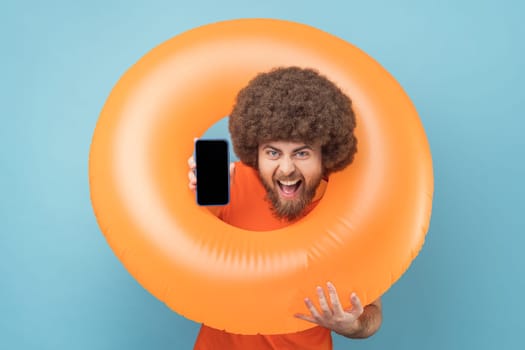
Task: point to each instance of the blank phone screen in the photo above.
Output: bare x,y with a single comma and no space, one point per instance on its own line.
213,178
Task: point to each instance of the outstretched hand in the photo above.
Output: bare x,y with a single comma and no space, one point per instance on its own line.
192,184
332,315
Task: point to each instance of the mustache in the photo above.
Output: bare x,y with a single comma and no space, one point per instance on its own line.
292,177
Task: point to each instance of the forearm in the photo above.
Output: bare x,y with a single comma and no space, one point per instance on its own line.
368,323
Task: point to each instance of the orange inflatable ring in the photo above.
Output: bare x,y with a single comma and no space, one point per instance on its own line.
362,236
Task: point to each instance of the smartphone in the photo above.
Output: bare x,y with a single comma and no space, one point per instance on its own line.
212,171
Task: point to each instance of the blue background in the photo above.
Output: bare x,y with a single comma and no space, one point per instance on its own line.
461,62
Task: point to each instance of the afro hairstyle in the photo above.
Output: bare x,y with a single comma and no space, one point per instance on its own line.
298,105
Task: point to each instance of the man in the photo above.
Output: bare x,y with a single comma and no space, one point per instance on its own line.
291,128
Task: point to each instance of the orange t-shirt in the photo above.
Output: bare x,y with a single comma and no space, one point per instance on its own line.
248,209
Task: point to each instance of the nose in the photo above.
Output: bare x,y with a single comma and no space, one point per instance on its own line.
286,166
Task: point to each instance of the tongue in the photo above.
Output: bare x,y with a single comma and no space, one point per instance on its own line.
289,189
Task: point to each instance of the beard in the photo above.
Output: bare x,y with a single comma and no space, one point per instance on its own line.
290,209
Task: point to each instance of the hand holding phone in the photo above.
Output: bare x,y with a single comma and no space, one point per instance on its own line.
211,172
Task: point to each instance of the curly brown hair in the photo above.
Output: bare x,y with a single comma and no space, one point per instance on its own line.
294,104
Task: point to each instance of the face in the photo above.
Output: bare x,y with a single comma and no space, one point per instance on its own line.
291,173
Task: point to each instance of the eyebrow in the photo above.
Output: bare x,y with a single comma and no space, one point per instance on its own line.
293,151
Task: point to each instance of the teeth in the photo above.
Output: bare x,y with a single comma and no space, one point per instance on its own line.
288,183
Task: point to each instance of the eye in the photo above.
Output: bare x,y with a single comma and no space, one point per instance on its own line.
272,154
302,154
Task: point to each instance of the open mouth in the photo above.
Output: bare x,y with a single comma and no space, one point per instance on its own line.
289,189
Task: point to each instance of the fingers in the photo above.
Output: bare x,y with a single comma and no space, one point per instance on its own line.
191,174
191,162
326,310
357,307
334,299
323,304
331,314
232,169
306,318
316,317
193,180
